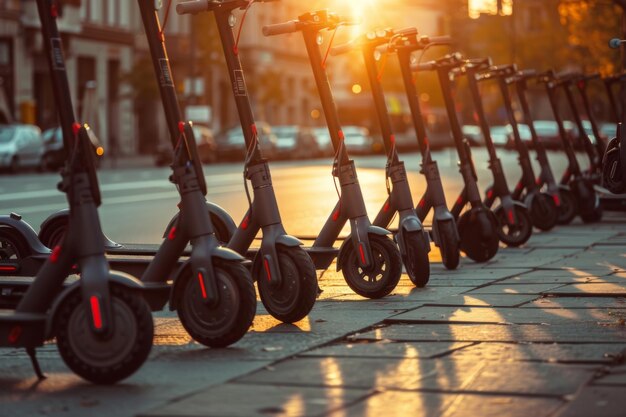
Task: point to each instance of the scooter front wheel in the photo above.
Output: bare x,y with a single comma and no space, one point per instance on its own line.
293,298
226,322
416,259
567,208
381,277
479,238
448,244
13,246
544,212
514,234
115,356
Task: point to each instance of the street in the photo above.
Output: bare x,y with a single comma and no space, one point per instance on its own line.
538,330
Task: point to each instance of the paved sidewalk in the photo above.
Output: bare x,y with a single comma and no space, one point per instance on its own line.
538,331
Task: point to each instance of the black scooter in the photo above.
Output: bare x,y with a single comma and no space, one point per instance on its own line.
561,193
212,291
412,239
102,325
284,272
515,224
478,226
541,206
444,228
370,261
587,201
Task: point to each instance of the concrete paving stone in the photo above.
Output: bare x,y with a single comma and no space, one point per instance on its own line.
515,289
433,374
543,352
488,274
590,289
465,314
562,333
228,401
483,300
365,304
616,375
427,404
593,262
387,350
525,280
578,302
408,294
560,272
595,401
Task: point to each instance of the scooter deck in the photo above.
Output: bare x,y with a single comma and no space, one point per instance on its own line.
22,329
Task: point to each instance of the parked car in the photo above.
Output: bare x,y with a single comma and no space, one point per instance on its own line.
473,134
231,144
525,135
608,130
205,142
407,141
54,154
548,133
500,135
295,142
324,143
358,140
20,146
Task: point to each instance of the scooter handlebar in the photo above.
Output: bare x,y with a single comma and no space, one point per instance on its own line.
280,28
426,66
193,6
343,48
436,40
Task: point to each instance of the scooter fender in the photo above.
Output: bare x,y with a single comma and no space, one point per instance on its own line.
289,241
62,217
115,277
412,225
371,229
27,232
215,210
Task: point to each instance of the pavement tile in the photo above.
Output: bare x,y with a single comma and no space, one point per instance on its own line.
484,300
490,274
538,279
577,302
616,375
597,401
411,294
433,374
239,400
591,289
543,352
570,332
387,350
515,289
464,314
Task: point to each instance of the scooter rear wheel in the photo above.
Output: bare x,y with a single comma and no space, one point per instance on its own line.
568,207
228,321
517,234
294,297
54,232
416,259
108,359
449,244
478,244
12,245
382,277
544,212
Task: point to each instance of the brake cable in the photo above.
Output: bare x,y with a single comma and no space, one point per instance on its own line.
243,19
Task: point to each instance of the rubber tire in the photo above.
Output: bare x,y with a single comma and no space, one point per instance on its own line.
52,235
449,245
233,276
568,208
132,310
416,260
469,230
521,235
15,165
294,298
386,248
15,241
544,220
592,217
612,157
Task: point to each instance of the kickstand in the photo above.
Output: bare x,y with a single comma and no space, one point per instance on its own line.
33,360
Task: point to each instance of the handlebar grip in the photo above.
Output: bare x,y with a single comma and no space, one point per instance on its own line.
527,73
192,7
436,40
426,66
280,28
406,32
342,49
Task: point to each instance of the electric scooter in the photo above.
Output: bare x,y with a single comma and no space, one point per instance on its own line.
542,209
609,82
211,291
561,193
412,239
284,272
587,201
478,226
515,224
368,258
102,325
444,228
581,83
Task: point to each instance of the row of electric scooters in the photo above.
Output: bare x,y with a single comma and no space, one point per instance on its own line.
206,267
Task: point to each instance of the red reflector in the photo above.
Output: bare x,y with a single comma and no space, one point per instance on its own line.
422,203
75,128
267,270
426,142
362,252
95,312
459,200
386,207
202,288
538,181
254,130
172,234
245,222
336,215
511,216
54,10
181,127
341,136
490,194
8,268
392,139
557,200
519,186
56,252
15,334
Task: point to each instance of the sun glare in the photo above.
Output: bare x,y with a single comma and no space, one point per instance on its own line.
476,7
